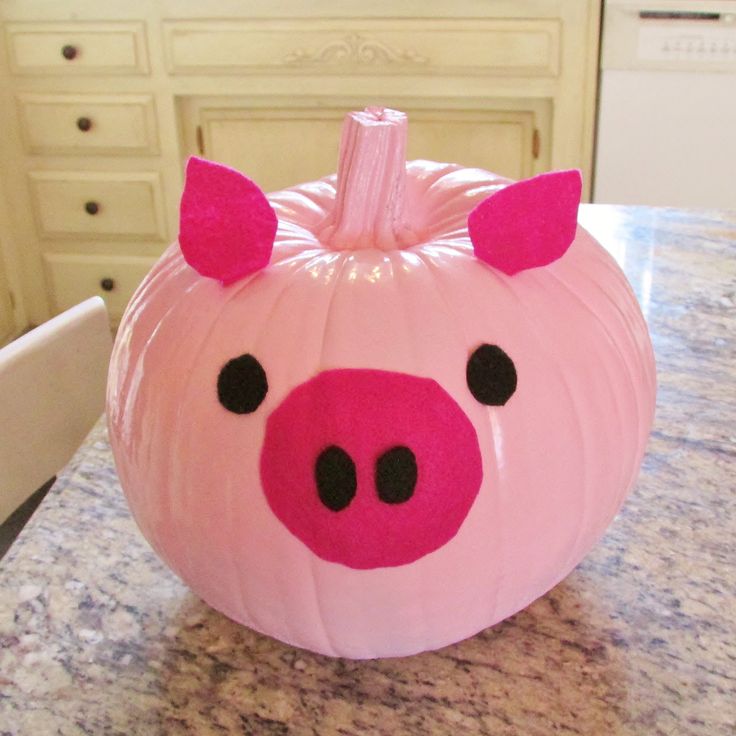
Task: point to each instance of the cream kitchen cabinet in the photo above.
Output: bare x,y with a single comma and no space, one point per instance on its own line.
7,322
101,105
13,318
279,145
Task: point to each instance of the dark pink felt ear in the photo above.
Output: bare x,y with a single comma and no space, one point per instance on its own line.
226,225
527,224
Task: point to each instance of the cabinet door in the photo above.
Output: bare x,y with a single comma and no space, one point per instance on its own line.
279,146
7,319
12,320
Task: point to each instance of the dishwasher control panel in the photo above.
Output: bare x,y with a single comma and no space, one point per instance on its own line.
675,35
710,43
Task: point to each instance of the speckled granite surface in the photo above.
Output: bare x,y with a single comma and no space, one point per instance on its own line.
98,637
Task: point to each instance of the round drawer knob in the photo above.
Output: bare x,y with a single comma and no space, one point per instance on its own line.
107,284
84,124
69,52
91,208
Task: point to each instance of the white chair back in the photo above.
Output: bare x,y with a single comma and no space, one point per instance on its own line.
52,391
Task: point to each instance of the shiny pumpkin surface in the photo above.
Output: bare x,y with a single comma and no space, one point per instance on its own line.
558,458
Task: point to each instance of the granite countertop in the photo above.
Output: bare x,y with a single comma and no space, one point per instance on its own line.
98,637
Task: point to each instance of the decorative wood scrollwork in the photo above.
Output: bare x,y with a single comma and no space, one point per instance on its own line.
356,49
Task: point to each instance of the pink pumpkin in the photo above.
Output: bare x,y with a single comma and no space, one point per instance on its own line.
374,414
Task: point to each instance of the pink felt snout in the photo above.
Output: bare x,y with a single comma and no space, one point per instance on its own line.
370,468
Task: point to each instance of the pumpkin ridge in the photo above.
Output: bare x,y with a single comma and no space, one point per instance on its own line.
631,369
542,277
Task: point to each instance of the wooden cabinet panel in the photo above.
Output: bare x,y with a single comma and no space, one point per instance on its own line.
94,205
274,148
74,278
502,141
414,46
12,312
64,124
77,48
7,320
279,147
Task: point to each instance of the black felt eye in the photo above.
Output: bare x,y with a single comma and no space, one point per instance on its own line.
491,375
242,384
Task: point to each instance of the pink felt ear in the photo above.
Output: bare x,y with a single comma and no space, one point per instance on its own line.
226,225
527,224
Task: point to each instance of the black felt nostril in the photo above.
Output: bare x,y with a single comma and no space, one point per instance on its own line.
336,480
396,475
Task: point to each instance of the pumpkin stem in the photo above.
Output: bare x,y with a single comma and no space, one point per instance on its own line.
371,184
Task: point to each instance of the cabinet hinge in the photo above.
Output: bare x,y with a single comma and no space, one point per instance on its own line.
535,143
200,140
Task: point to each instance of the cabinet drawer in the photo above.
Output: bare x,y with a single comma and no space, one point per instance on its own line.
93,205
74,278
77,48
59,124
400,46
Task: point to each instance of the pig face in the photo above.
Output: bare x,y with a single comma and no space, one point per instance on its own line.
379,451
368,468
390,473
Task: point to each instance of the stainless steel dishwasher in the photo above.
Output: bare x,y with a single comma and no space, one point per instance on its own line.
666,132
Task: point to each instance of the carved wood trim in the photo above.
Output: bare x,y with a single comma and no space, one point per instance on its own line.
357,49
